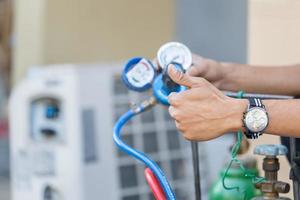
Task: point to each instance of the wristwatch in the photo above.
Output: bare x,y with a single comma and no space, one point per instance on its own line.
255,118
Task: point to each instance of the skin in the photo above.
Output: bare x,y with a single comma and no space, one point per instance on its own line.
203,112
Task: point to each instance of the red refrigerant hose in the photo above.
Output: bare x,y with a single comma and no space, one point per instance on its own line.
154,185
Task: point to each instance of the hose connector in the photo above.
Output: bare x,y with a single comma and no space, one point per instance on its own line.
145,105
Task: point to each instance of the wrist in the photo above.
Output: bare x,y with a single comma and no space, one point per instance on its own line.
231,76
235,121
270,106
228,76
256,118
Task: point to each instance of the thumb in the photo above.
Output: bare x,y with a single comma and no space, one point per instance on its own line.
179,77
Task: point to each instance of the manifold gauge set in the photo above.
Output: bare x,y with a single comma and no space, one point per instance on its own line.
140,73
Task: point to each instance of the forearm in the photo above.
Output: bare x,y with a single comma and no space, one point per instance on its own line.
271,80
284,118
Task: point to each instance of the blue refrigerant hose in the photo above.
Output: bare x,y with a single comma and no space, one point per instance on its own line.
139,155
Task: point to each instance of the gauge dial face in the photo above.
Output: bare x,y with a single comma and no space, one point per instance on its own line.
141,74
174,52
256,119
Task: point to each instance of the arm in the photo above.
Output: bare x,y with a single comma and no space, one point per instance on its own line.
284,117
273,80
230,76
203,112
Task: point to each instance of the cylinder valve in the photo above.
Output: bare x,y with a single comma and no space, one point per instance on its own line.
271,187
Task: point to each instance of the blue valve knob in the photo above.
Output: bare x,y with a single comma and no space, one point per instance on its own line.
163,85
271,150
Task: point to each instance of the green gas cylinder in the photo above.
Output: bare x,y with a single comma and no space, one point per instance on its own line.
236,178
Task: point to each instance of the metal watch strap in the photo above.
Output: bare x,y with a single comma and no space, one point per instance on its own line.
253,102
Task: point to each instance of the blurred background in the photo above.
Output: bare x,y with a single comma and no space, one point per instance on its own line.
37,33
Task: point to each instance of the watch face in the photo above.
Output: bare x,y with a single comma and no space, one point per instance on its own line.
256,119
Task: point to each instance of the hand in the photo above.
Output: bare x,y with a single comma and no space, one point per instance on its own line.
203,112
213,71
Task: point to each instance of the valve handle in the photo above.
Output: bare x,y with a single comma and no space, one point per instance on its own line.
270,150
163,85
168,82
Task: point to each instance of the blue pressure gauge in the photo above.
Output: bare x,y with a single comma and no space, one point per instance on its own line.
138,74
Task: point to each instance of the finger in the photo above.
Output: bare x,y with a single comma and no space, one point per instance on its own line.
196,70
173,98
172,111
179,126
179,77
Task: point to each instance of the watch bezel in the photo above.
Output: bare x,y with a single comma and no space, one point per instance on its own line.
247,124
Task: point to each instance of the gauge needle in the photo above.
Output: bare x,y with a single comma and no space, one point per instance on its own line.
175,58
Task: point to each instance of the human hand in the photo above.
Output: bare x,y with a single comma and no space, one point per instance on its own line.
203,112
213,71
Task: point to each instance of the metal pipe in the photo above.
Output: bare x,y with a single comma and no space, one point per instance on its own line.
196,168
261,96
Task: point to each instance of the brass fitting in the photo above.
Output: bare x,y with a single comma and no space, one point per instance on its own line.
271,187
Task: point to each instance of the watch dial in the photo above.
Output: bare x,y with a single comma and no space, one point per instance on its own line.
256,119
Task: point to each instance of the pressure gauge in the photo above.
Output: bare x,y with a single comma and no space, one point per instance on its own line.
174,52
138,74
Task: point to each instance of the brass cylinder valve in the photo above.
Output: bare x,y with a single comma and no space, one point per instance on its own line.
271,187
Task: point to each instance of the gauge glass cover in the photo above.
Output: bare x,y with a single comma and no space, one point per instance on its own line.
141,74
174,52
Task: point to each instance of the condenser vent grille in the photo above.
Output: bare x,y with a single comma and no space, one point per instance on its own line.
154,133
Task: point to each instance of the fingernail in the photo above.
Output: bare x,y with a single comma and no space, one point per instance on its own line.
174,69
